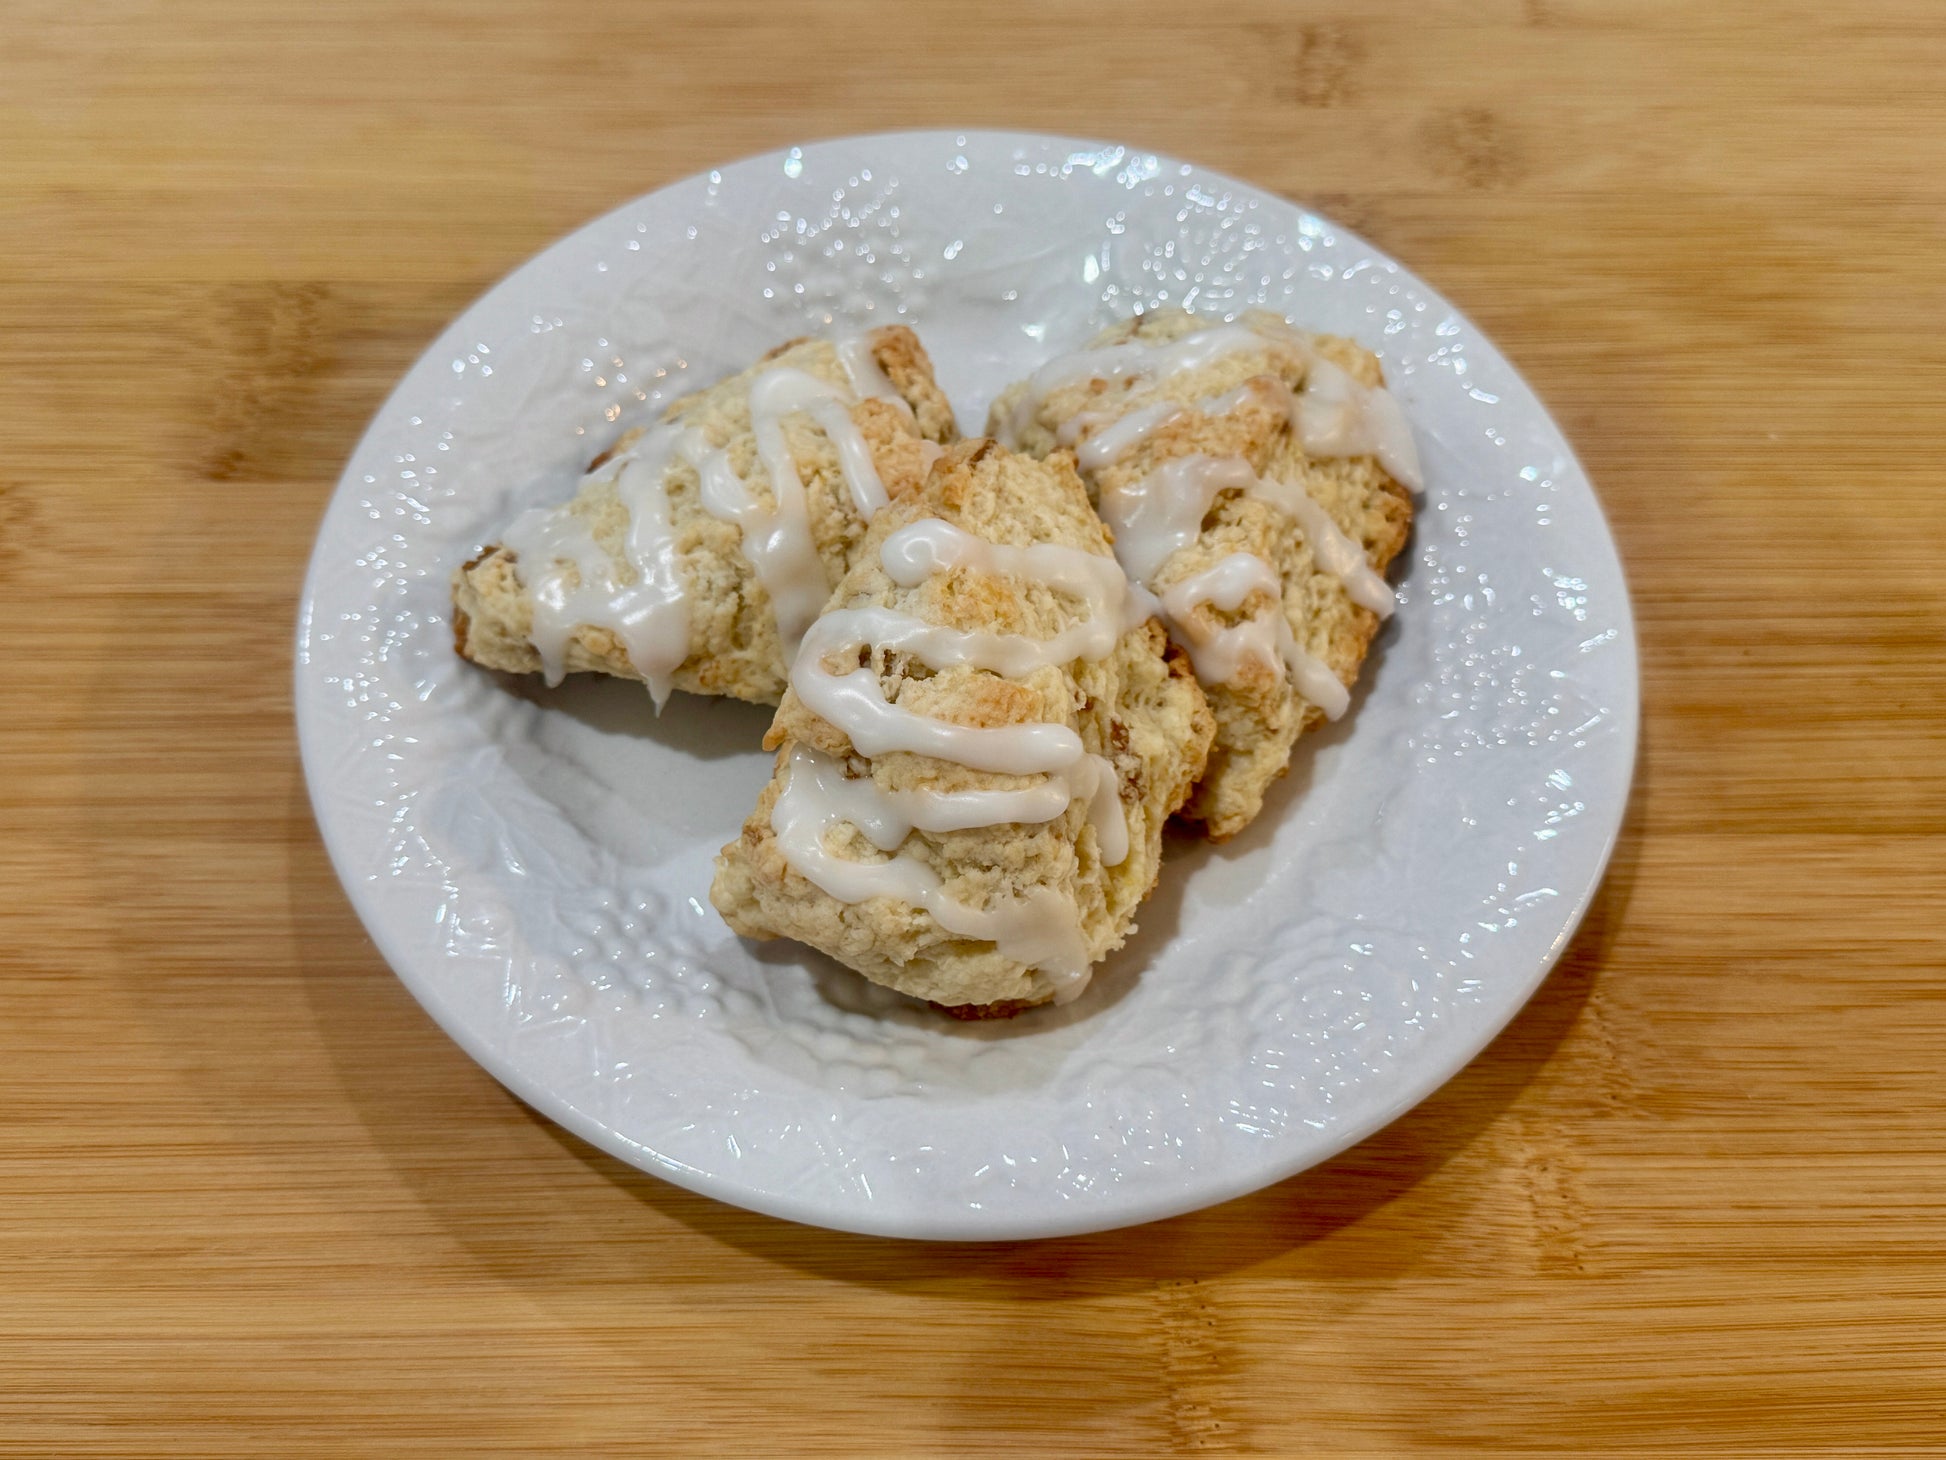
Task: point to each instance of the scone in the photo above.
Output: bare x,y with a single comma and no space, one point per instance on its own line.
983,738
1258,480
696,552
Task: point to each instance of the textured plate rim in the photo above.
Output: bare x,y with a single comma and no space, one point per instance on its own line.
985,1224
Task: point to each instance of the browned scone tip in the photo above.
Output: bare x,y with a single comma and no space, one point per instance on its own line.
1396,509
907,365
784,349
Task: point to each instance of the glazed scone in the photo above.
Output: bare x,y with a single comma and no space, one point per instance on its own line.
982,741
1258,480
697,551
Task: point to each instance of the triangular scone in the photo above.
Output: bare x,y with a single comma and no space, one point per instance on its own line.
696,551
1244,469
981,743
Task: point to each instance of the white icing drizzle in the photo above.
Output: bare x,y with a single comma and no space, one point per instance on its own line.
1092,778
1164,511
1105,814
1334,552
776,394
1156,517
930,546
1333,415
856,704
1117,439
1042,928
867,376
1219,652
1336,415
777,540
649,615
1132,359
541,539
1080,421
1230,400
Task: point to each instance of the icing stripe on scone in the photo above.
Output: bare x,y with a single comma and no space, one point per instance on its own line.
1090,779
1337,415
1333,415
1164,511
868,378
930,546
1334,552
1043,928
1156,517
855,702
1135,359
1118,438
776,539
649,615
1219,651
776,394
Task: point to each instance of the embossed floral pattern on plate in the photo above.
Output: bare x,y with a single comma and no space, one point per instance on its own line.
535,863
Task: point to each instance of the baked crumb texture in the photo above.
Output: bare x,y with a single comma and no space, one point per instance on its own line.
1139,706
734,647
1259,714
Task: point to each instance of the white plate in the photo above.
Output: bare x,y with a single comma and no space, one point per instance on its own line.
535,864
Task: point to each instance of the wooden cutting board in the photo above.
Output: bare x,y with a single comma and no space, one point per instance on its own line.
253,1203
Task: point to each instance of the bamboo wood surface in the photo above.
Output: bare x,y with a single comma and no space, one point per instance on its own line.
252,1202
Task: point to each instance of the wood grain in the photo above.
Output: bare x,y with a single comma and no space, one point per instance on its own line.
252,1202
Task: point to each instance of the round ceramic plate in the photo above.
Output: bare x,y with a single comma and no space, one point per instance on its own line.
536,863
